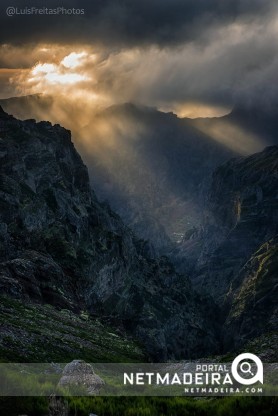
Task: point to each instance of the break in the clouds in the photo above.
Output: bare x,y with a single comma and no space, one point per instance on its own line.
194,57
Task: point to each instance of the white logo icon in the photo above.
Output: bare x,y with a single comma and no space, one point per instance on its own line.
246,368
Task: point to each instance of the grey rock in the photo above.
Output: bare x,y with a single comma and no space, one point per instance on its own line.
78,373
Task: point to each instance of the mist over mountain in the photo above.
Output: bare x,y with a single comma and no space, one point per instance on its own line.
247,128
152,167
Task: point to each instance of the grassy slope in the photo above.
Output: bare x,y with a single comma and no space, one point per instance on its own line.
41,333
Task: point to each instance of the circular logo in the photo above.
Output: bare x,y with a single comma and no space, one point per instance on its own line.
250,376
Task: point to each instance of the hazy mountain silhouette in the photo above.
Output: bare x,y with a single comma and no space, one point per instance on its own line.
152,166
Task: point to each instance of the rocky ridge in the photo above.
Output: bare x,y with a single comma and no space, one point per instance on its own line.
149,165
59,245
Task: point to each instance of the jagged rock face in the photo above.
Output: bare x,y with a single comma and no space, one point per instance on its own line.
254,304
43,184
238,261
241,216
60,246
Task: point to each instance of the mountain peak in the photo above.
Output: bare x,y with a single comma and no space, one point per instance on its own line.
2,112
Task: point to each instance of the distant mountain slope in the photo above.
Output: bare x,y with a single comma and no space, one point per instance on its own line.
153,168
259,124
28,106
236,250
149,165
59,245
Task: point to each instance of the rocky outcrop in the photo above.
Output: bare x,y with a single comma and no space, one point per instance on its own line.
59,245
79,374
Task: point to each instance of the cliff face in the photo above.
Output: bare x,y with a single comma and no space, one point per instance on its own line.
241,216
254,304
238,245
59,245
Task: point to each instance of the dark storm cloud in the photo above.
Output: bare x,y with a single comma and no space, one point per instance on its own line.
125,23
172,54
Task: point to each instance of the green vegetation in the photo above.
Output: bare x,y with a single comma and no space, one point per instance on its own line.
147,406
160,406
40,333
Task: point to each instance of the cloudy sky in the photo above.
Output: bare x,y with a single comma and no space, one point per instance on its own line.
193,57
